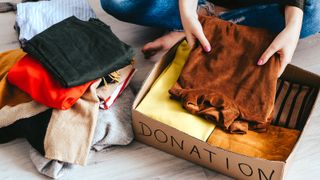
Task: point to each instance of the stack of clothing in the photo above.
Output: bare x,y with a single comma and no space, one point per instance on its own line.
51,90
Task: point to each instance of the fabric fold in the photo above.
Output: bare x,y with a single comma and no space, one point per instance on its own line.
73,128
113,128
226,86
76,51
158,105
31,77
14,103
12,114
32,128
10,95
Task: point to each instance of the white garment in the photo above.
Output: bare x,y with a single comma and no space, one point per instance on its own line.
35,17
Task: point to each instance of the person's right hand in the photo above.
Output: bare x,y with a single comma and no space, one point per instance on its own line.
191,24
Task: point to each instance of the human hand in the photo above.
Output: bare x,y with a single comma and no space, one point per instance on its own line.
286,41
192,26
284,44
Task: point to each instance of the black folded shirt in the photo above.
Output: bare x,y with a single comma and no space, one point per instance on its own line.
76,52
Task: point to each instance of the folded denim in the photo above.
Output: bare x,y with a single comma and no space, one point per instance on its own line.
76,51
225,85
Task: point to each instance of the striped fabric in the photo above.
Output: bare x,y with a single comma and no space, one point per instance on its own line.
293,104
35,17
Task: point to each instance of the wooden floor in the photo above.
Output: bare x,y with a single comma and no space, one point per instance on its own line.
138,161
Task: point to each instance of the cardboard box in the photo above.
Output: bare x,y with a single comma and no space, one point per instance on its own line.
173,141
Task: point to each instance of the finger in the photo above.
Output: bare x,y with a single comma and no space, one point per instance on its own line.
191,40
203,41
272,49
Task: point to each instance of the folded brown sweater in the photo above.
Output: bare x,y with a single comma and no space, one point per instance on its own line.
226,85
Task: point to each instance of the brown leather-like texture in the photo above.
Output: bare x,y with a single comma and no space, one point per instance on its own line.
226,85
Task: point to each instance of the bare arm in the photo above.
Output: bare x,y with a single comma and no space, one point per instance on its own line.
191,24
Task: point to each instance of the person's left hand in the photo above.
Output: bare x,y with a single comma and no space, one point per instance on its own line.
284,44
286,41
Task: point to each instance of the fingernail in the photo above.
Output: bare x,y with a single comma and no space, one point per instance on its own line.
207,48
260,62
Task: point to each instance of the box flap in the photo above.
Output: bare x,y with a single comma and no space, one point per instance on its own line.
297,75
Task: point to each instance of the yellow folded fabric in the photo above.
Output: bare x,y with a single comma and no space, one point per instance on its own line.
158,105
9,94
275,144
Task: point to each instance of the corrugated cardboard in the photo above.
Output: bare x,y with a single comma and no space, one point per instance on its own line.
175,142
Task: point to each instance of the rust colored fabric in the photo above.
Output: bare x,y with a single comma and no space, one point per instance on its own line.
276,144
226,85
10,95
33,78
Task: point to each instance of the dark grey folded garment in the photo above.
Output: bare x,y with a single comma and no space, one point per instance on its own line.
76,51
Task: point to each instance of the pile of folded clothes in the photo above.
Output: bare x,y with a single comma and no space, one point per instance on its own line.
58,90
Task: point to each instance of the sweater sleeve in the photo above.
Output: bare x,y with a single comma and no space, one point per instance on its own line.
297,3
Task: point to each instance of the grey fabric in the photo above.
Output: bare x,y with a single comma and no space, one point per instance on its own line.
49,167
114,125
113,128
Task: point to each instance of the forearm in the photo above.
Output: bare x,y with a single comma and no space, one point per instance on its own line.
293,18
188,8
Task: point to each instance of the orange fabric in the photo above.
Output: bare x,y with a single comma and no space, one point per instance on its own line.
276,144
226,85
10,95
30,76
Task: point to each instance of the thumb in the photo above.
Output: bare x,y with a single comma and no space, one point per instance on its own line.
267,54
203,41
